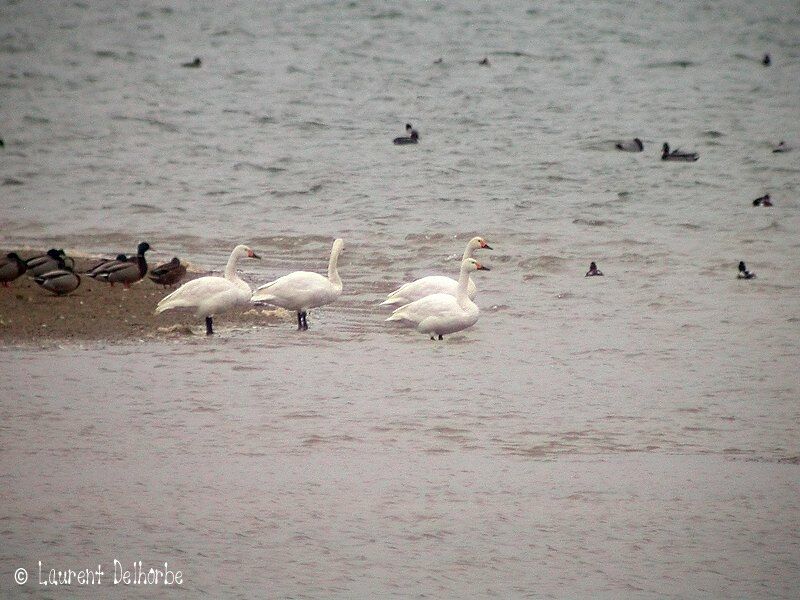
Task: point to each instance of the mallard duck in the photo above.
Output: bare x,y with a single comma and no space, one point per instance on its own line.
104,264
60,281
634,145
47,262
127,272
593,270
677,154
169,273
11,267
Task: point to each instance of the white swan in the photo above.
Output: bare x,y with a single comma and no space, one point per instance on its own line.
301,291
435,284
442,313
210,296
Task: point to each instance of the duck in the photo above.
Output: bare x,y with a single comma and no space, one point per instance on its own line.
45,262
195,64
212,295
593,270
302,290
763,201
104,264
744,273
442,314
60,281
127,272
783,147
677,154
634,145
434,284
484,62
169,273
412,138
766,61
11,267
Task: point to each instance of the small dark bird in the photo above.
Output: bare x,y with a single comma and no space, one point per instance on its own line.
744,273
766,61
413,136
593,271
2,143
634,145
11,267
438,61
169,273
60,281
484,62
677,154
195,64
782,147
763,201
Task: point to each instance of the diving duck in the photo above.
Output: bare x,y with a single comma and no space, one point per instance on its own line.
59,281
412,138
127,272
169,273
593,271
763,201
744,273
11,267
634,145
677,154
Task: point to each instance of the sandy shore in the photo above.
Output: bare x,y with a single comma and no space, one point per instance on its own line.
98,312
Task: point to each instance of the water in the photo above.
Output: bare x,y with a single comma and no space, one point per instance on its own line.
627,436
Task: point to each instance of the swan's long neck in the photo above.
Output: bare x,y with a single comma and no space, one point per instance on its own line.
230,268
333,272
463,282
468,251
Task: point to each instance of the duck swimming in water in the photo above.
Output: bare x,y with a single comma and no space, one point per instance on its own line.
782,147
634,145
744,273
413,136
11,267
763,201
195,64
677,154
766,61
593,271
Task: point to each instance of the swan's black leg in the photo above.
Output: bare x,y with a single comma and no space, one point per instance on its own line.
209,326
299,321
305,321
440,336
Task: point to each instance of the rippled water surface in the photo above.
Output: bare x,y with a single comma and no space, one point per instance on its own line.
634,435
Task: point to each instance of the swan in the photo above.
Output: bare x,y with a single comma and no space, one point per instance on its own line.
435,284
439,314
212,295
301,290
126,272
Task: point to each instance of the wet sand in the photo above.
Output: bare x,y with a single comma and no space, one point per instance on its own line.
96,311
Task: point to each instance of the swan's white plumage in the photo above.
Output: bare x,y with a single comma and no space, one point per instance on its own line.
302,290
440,313
209,296
435,284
